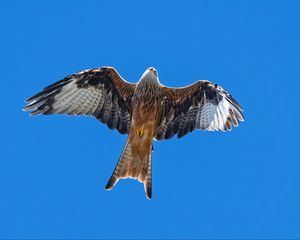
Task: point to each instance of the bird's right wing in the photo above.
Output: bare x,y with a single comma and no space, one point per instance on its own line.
99,92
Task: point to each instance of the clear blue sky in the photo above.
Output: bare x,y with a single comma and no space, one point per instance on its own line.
242,184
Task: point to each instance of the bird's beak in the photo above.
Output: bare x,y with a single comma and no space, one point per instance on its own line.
152,69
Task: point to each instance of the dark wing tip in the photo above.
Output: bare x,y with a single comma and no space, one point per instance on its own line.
31,99
242,119
28,100
238,109
40,103
26,108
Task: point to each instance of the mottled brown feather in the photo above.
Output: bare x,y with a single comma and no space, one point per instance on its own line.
197,106
99,92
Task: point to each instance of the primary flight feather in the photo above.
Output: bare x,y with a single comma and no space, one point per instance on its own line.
145,110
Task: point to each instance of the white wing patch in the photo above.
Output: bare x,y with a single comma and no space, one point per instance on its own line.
72,100
213,117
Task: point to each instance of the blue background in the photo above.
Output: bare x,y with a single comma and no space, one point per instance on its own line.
241,184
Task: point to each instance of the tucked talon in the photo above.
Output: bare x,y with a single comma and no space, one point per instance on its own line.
139,132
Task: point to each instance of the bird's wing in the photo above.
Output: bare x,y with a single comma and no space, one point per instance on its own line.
202,105
99,92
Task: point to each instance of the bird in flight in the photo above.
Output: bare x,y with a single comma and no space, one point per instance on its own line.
145,111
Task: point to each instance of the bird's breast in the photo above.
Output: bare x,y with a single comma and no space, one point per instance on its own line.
145,105
146,96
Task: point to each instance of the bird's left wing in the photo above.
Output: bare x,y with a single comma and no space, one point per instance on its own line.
202,105
99,92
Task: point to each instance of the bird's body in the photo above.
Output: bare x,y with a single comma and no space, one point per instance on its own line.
145,111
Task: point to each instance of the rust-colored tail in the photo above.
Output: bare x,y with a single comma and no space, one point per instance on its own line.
134,166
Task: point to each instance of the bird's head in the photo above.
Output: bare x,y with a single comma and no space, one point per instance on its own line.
152,70
150,75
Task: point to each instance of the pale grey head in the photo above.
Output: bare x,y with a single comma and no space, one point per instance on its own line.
150,75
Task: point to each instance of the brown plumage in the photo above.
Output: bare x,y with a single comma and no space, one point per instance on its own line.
145,111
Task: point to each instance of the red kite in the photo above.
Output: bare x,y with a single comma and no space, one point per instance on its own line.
145,110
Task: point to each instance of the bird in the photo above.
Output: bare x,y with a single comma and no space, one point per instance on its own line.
145,111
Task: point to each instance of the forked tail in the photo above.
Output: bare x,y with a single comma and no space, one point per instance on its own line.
133,164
